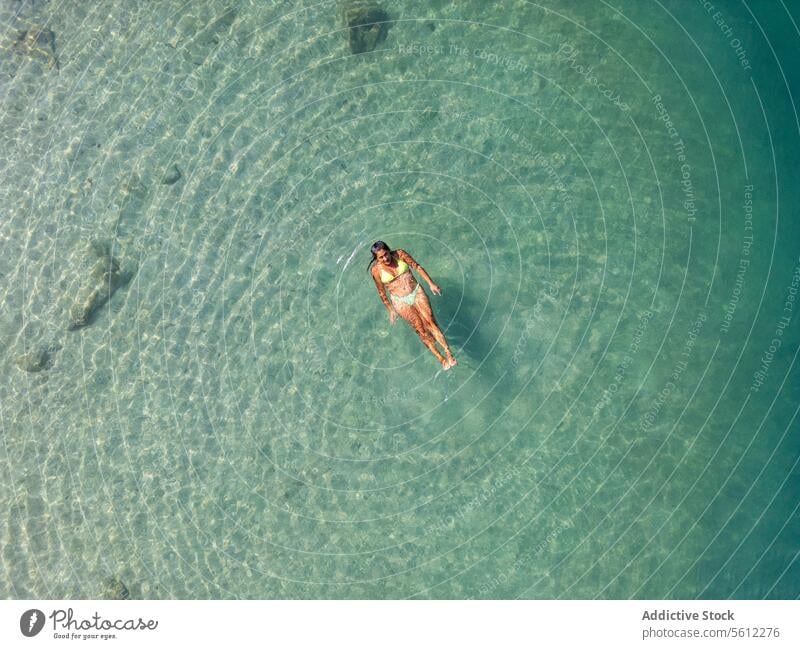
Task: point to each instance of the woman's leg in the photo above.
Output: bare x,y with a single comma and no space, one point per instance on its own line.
423,306
410,315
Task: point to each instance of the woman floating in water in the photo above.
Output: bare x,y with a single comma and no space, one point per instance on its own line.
408,297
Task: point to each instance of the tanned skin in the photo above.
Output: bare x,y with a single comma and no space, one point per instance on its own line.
419,315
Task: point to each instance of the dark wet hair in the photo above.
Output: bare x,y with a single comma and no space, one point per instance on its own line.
378,245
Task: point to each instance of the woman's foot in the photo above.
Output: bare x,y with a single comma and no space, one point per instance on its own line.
448,362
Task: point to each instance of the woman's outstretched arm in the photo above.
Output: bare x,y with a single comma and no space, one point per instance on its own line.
413,263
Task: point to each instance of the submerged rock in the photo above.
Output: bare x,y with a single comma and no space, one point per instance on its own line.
368,24
172,176
40,358
113,588
38,42
97,287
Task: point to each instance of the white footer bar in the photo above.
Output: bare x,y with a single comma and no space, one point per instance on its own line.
400,624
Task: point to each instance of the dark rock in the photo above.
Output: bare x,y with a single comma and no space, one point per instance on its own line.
37,42
113,588
41,358
103,279
172,176
368,24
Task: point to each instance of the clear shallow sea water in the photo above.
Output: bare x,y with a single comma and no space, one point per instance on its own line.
241,421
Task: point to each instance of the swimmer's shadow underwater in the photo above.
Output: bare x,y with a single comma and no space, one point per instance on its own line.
462,327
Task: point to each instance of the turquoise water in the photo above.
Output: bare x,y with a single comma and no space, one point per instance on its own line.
605,192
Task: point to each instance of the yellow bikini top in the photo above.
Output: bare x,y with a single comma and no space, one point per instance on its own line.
402,267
